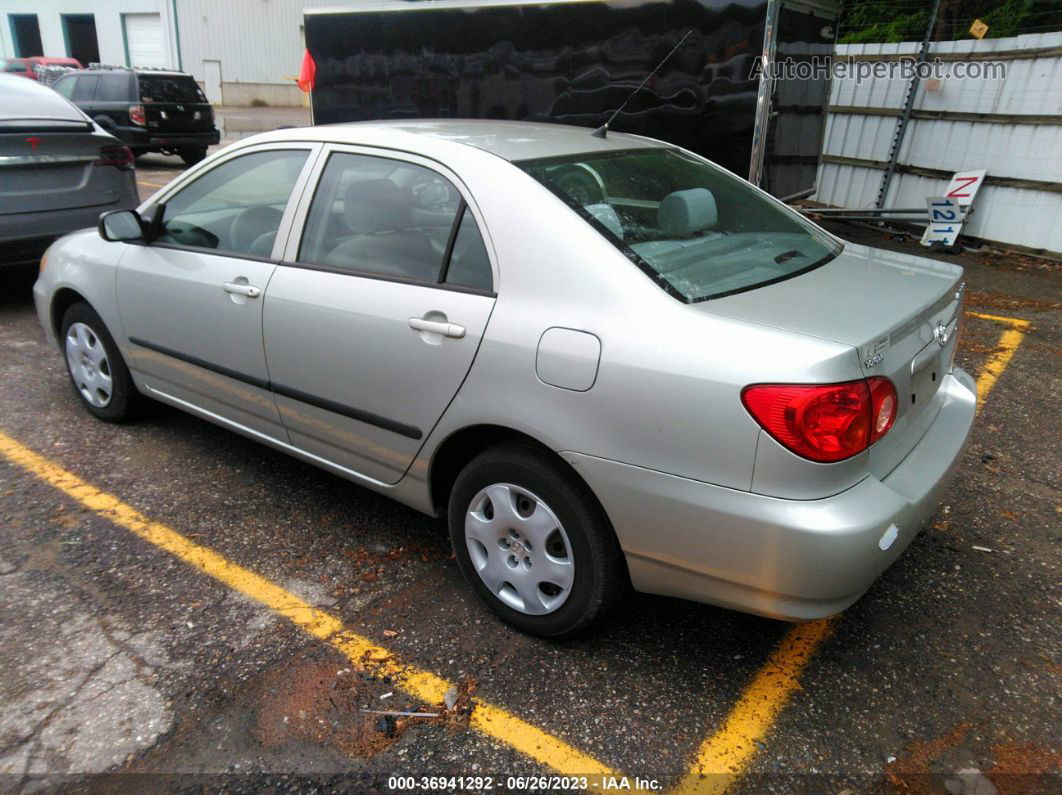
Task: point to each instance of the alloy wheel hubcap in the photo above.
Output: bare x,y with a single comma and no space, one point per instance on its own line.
519,549
88,365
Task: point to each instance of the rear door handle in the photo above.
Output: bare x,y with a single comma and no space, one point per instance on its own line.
437,327
242,289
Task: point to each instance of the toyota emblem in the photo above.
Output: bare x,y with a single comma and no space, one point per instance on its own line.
941,333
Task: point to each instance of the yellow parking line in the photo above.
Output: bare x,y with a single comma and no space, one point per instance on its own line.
1000,358
360,651
725,756
149,184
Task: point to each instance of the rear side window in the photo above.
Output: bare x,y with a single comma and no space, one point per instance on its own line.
170,88
86,88
114,88
236,207
469,263
66,86
373,215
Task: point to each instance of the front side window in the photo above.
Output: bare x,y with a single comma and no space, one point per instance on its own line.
374,215
235,207
697,230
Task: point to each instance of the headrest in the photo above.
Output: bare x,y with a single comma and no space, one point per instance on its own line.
606,215
251,224
687,211
371,206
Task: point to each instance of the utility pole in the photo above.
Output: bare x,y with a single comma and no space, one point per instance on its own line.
908,106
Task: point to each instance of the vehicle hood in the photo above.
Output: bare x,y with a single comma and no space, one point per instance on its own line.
858,296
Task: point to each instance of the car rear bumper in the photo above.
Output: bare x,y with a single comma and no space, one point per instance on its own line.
790,559
139,137
25,236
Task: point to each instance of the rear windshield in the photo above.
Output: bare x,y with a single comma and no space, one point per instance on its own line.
697,230
170,88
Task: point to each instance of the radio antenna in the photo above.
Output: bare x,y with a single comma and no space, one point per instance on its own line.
602,131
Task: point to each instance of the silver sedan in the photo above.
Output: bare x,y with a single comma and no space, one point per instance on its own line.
608,362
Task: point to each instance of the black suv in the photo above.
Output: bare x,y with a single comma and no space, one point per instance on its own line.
149,110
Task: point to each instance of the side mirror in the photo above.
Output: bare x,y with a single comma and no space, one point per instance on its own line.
121,225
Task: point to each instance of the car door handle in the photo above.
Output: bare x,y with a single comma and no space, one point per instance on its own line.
242,289
437,327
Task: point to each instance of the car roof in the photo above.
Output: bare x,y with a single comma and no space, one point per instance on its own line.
28,99
510,140
148,72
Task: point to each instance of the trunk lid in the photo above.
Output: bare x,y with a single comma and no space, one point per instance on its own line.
48,165
900,313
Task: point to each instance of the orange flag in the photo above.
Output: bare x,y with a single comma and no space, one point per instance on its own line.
307,73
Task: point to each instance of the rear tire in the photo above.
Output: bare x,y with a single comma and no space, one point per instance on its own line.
192,154
545,559
96,368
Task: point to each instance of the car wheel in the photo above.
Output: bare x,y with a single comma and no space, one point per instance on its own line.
96,368
533,543
192,154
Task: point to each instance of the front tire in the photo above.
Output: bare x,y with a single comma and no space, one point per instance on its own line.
95,366
533,543
192,154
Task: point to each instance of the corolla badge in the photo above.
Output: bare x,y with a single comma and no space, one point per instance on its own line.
941,334
874,354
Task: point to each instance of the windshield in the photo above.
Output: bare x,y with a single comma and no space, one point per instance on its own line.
697,230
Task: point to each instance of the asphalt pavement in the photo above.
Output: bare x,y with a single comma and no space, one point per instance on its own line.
132,659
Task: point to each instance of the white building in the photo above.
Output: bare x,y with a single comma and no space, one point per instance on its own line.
241,51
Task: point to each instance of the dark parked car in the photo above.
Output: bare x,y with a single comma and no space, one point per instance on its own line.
147,109
58,170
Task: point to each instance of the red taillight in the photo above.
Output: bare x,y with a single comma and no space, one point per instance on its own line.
883,405
120,156
828,422
136,115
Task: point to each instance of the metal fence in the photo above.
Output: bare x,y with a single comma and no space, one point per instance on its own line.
1009,123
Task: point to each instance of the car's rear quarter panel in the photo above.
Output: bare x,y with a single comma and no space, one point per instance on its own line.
667,392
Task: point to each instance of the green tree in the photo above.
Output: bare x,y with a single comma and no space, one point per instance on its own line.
906,20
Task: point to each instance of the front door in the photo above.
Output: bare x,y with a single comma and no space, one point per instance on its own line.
191,300
372,326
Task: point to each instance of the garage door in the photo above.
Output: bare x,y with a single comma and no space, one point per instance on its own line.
144,42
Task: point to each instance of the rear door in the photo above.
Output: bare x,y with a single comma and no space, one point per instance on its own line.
115,93
372,321
174,103
85,92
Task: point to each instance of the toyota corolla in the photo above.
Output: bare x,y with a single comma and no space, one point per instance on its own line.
607,361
